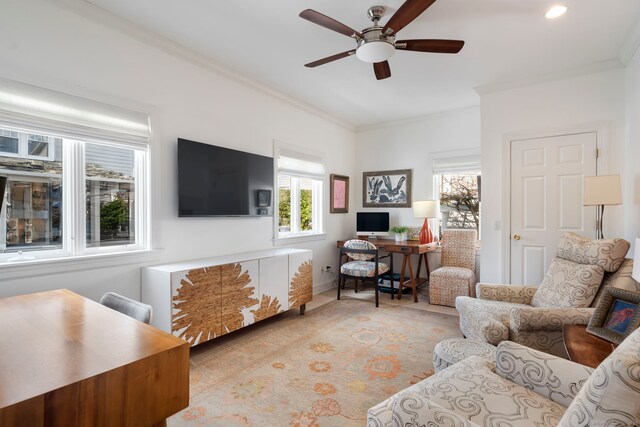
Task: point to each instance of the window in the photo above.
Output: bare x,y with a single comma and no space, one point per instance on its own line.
78,174
457,185
300,183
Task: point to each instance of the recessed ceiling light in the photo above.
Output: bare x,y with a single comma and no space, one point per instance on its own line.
555,12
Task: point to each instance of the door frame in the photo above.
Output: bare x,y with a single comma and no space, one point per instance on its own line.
603,139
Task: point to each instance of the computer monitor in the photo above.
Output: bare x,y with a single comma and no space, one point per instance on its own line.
372,223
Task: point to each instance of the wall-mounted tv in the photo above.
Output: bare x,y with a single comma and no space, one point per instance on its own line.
372,223
218,181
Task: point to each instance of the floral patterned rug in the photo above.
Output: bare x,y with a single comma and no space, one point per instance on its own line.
326,368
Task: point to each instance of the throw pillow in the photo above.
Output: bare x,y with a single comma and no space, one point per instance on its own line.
607,253
568,284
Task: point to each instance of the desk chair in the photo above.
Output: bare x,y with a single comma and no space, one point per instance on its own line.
364,266
130,307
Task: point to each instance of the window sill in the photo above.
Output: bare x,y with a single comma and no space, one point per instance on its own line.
41,267
299,238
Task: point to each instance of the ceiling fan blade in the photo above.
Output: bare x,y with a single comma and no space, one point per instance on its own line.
382,70
427,45
330,58
409,11
327,22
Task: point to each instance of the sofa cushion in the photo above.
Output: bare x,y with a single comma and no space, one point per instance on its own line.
611,395
568,284
472,391
485,320
608,253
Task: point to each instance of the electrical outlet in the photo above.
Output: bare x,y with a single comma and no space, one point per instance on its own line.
326,269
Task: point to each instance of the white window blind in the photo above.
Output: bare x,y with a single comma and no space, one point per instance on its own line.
299,162
37,109
466,164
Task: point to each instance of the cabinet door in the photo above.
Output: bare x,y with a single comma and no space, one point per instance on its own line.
239,294
195,304
300,278
274,286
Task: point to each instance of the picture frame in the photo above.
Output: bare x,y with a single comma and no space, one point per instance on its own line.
386,189
617,315
264,198
339,189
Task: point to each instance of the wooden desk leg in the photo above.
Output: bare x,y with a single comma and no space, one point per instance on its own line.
412,279
391,275
401,281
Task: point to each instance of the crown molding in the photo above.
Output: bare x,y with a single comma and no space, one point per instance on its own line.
630,45
596,67
101,16
423,118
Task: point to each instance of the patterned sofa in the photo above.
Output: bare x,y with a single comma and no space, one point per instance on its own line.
535,316
522,387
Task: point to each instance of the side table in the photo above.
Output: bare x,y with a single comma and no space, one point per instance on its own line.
584,348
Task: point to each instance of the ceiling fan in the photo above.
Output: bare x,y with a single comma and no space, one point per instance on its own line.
376,44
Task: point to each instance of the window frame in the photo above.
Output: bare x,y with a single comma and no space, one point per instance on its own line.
318,201
73,209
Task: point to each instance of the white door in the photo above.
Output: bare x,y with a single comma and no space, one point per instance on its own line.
547,176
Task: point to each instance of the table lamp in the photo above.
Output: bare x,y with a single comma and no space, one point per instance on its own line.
426,209
601,191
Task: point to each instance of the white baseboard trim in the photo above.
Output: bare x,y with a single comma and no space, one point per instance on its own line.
322,288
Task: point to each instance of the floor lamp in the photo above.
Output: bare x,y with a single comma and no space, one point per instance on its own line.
601,191
426,209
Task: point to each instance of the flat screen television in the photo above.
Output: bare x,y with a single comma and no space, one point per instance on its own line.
372,223
218,181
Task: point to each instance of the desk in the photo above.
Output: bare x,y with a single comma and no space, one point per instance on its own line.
69,361
406,248
584,348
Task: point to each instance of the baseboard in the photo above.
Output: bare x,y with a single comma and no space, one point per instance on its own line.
322,288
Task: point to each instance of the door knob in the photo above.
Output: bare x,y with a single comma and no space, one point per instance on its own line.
516,237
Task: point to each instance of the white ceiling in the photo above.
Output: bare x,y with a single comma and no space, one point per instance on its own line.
506,41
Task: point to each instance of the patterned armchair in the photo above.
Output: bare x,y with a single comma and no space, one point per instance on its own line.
522,387
535,316
457,276
362,264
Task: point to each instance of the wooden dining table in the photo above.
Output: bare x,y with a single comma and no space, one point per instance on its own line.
66,360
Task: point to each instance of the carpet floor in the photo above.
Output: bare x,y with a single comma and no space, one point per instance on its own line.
326,368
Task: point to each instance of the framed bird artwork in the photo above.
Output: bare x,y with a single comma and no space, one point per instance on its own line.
386,189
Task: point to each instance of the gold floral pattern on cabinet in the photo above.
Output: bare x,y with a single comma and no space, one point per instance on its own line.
193,319
301,287
236,296
268,307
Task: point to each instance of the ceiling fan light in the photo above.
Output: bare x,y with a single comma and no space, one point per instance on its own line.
375,51
555,11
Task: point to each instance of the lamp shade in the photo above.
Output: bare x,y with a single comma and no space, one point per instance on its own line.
636,261
426,209
602,190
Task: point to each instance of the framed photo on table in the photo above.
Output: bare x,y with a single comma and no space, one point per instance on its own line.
339,194
387,189
617,315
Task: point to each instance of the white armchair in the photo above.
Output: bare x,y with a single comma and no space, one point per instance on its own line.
535,316
523,387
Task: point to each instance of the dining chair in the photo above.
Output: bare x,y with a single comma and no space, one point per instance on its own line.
130,307
362,264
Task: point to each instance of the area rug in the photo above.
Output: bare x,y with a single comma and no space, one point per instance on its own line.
326,368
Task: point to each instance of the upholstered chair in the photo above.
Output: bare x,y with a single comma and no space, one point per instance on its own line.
522,387
130,307
362,264
535,316
457,274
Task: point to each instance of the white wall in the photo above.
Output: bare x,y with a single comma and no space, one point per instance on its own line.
411,145
631,179
55,48
556,105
